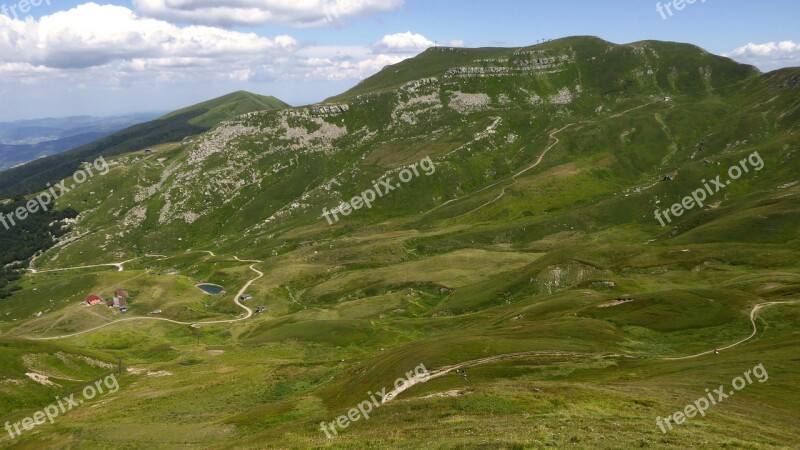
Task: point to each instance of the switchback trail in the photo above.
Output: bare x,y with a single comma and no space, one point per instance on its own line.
553,141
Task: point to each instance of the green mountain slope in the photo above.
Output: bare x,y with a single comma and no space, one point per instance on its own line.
524,249
173,127
227,107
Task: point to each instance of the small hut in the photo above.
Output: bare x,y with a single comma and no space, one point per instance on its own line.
93,300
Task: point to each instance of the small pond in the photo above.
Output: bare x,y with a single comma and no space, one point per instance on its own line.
213,289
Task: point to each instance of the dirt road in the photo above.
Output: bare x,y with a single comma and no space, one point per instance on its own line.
416,379
753,316
248,314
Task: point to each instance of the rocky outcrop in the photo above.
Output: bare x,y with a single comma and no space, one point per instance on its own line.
415,85
329,110
528,52
560,276
462,71
465,103
504,66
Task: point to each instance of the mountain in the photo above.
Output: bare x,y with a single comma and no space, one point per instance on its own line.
228,107
562,234
170,128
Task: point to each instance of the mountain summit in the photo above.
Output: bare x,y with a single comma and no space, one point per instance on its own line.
210,113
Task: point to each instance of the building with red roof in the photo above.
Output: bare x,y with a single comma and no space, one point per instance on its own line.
93,300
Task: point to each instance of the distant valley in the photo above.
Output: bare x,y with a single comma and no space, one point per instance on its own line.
27,140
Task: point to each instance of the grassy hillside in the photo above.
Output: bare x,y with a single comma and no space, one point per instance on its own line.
525,251
227,107
173,127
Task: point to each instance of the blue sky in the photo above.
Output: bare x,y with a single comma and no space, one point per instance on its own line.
74,57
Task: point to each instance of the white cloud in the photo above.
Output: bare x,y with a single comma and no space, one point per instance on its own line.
407,42
768,56
329,63
353,62
105,54
296,13
91,39
337,67
92,35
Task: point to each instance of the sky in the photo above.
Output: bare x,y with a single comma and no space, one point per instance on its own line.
72,57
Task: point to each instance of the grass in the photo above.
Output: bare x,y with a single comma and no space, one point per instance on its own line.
227,107
444,271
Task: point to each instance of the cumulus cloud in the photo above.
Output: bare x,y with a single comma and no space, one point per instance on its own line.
295,13
111,47
340,63
92,35
407,42
768,56
73,54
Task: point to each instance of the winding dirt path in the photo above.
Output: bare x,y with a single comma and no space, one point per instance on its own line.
247,260
416,379
447,369
291,295
248,314
753,316
119,265
553,141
